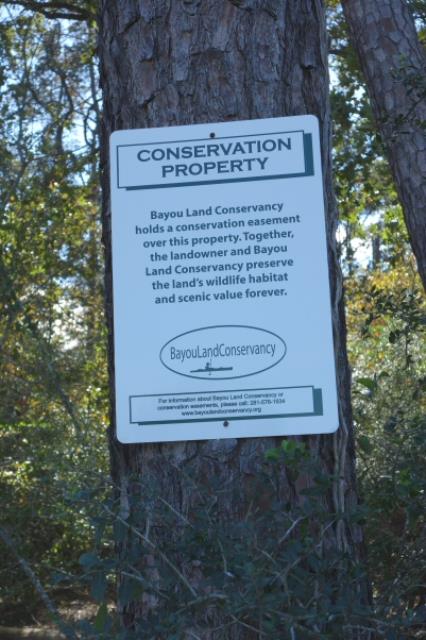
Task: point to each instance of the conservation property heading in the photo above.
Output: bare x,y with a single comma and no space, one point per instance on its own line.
237,151
214,160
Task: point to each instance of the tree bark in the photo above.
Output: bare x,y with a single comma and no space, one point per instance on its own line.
394,63
175,62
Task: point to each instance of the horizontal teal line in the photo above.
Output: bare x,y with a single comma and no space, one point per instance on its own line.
230,418
232,180
209,139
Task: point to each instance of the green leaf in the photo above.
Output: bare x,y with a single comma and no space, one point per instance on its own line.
272,454
369,383
102,618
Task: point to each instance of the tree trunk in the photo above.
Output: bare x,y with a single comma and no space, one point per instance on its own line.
180,62
394,63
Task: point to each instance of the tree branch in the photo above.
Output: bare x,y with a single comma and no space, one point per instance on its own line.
53,9
62,626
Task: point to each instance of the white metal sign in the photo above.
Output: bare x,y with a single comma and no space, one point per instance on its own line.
222,321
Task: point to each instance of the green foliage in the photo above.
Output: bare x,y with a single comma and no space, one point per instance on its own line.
387,319
275,570
53,382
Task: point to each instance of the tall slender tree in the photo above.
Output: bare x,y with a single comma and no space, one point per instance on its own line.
393,62
172,63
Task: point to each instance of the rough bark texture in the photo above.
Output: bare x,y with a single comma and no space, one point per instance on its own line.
174,62
394,64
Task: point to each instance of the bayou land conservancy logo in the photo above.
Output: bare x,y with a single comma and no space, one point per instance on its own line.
223,352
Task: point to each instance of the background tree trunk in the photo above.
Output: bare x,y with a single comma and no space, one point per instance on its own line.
175,62
394,64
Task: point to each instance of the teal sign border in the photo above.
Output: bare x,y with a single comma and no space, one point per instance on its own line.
317,398
307,148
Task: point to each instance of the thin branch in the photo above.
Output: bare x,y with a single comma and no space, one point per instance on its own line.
288,532
176,512
60,10
142,581
248,626
62,626
202,600
154,548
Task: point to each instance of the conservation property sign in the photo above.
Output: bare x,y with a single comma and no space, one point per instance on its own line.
222,317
